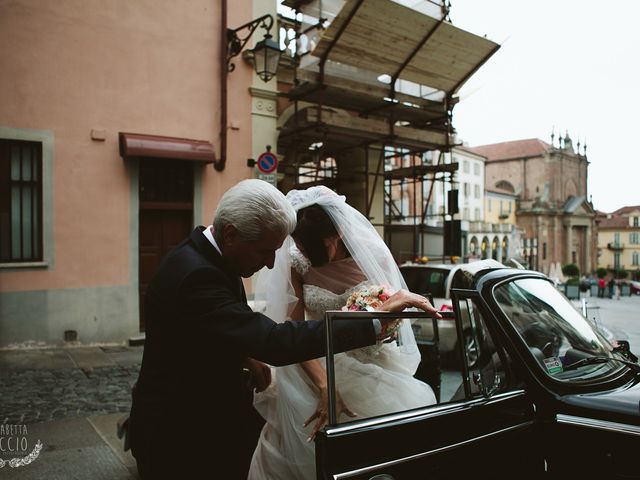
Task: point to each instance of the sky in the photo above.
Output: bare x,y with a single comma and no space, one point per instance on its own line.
568,65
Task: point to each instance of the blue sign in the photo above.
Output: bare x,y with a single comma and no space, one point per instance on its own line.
267,162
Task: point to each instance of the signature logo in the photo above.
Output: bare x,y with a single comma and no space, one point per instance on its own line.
14,446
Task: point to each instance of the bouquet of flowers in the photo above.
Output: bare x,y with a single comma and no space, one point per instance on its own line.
369,298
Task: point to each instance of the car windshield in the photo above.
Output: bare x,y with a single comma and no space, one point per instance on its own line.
557,335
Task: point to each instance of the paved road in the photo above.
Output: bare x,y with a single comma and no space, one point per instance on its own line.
622,317
48,384
70,400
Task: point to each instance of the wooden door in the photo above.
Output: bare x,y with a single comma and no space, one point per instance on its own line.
165,217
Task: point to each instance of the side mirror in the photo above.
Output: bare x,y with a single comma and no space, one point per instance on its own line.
487,391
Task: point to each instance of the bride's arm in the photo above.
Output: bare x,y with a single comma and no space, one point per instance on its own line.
315,371
313,368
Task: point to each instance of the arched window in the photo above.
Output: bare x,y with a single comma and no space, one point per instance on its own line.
505,185
484,247
505,249
473,246
494,248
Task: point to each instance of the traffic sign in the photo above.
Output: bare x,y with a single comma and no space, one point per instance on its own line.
267,162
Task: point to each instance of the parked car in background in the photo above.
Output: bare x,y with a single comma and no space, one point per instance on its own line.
633,285
546,396
434,281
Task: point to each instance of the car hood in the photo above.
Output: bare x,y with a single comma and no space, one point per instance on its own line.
614,405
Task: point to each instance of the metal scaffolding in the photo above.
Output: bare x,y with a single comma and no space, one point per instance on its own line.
368,101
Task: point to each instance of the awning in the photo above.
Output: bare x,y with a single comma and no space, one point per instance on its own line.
140,145
388,38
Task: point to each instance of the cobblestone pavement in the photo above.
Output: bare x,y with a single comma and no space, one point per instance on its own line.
31,395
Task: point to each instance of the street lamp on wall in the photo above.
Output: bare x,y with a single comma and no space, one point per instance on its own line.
266,57
266,53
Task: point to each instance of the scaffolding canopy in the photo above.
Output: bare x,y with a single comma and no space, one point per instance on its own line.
398,41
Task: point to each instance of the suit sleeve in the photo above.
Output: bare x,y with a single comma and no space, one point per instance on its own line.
218,313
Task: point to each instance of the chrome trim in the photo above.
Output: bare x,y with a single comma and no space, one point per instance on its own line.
416,456
430,411
598,424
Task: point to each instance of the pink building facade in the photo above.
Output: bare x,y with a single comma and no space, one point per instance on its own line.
84,215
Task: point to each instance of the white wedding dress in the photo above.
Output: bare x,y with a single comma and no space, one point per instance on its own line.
372,381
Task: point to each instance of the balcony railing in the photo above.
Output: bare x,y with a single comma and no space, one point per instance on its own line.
615,246
482,227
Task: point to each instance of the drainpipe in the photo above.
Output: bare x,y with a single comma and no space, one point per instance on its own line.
219,164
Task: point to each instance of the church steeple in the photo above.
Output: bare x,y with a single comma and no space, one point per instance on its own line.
568,144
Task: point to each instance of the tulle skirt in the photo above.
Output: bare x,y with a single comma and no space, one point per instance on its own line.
372,381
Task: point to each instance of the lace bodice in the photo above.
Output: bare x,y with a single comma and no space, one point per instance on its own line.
318,300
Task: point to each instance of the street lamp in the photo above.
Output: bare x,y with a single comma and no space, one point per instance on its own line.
266,57
266,53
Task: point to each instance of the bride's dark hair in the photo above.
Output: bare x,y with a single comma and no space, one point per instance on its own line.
314,225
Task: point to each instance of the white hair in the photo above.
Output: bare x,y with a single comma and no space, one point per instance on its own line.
254,206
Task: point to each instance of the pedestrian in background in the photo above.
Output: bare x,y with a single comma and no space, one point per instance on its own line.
601,287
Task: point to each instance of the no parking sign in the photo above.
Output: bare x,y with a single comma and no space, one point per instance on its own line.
267,162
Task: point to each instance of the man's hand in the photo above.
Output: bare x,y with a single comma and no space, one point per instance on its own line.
398,302
259,374
403,299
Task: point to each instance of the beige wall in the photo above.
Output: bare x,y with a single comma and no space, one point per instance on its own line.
606,257
492,208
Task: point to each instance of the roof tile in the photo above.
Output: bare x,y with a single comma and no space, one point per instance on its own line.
531,147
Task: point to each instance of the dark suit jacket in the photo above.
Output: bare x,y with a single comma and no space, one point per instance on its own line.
191,392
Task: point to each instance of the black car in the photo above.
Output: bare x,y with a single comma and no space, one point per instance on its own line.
546,397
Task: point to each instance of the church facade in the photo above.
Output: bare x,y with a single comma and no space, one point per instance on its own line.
552,207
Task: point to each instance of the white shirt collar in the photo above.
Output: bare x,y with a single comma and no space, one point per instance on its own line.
208,233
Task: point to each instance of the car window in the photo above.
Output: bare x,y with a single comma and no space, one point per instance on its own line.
388,384
386,378
556,334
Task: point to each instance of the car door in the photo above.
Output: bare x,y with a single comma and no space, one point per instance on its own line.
481,426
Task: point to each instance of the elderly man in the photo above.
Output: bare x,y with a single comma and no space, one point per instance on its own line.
192,408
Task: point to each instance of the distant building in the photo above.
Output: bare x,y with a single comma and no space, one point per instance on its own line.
619,239
549,182
468,181
498,236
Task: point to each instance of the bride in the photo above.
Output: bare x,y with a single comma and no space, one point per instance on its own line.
336,252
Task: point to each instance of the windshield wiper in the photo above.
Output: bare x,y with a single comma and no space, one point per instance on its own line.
595,360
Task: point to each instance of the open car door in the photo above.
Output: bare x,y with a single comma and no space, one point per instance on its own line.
482,424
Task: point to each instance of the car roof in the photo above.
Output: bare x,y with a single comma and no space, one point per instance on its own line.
465,273
494,275
468,273
442,266
472,267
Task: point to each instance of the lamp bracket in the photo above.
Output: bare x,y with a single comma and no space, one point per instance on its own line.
235,43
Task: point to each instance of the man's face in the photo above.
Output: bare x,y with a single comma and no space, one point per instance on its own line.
246,258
